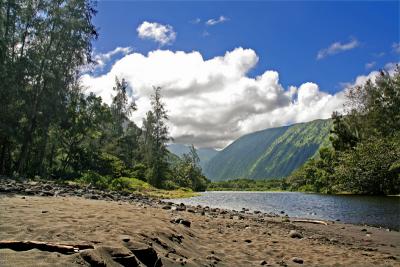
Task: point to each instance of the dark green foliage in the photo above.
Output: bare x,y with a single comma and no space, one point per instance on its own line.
316,175
187,173
247,185
370,167
364,158
205,154
48,126
272,153
155,139
43,43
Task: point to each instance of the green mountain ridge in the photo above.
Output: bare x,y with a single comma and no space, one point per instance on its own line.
270,153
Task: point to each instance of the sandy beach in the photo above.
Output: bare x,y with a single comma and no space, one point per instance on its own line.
155,233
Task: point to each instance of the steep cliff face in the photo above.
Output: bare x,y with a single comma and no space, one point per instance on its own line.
271,153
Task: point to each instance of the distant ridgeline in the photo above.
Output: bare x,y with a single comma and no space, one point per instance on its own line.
271,153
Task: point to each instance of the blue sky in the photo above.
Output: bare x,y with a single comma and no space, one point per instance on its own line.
285,35
228,68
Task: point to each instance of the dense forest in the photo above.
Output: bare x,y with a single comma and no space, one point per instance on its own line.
51,129
364,156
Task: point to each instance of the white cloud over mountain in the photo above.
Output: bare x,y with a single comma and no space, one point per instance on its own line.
212,102
162,34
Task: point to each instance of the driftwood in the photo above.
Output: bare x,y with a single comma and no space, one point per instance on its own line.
44,246
311,221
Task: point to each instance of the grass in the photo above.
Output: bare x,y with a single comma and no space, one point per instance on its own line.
133,185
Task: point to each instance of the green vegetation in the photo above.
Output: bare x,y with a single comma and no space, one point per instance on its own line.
50,128
365,154
132,185
271,153
247,185
205,154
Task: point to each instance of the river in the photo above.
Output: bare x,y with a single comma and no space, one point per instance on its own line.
381,211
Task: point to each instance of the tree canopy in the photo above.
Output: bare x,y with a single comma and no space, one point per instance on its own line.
365,152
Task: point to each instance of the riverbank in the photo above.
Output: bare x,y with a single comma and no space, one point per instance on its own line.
118,230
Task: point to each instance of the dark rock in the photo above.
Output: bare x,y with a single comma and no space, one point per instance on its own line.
186,223
176,238
214,258
263,262
363,230
46,193
45,211
295,234
181,208
47,187
281,263
125,238
298,260
29,191
167,207
247,240
282,212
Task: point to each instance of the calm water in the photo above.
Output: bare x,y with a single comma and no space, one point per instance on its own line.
371,210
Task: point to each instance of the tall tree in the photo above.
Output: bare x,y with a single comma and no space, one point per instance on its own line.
44,42
155,138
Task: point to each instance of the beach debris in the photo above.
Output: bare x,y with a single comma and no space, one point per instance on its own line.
311,221
295,234
44,246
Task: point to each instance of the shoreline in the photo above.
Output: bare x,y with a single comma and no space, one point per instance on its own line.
178,234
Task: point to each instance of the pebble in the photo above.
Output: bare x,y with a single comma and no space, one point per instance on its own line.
295,234
298,260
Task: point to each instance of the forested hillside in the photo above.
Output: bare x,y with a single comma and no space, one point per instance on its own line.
271,153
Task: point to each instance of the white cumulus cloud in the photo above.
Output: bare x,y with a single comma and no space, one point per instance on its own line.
337,47
162,34
103,58
211,102
220,19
